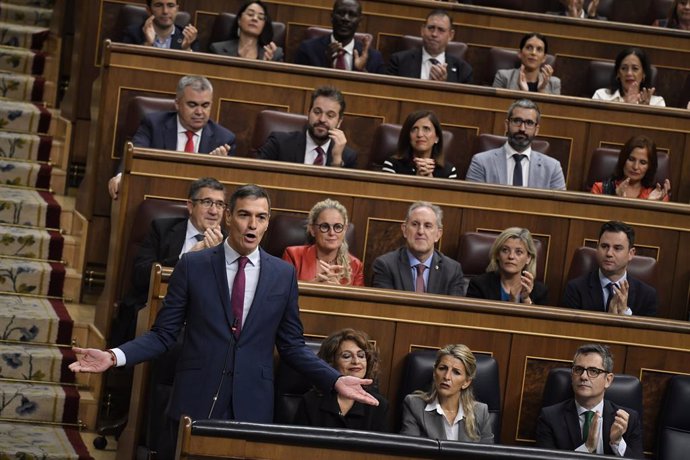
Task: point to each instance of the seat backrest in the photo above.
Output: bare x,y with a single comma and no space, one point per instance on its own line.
604,161
625,390
418,375
585,260
223,22
673,440
473,254
136,14
290,385
599,76
314,32
507,58
486,142
455,49
268,121
291,230
385,144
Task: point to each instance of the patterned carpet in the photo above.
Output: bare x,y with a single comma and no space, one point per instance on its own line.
39,400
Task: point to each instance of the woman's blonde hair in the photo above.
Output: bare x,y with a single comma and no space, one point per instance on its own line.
521,234
466,357
343,257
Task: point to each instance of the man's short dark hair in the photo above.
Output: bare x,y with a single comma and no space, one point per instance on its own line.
150,2
524,104
440,12
204,182
615,226
601,350
331,93
248,190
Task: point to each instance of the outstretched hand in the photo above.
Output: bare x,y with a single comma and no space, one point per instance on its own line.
91,360
351,388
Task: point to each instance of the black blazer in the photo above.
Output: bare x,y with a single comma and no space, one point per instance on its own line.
488,286
291,146
322,410
558,427
392,271
313,52
134,35
585,293
408,63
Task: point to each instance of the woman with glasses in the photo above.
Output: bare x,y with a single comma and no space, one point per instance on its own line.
635,173
326,259
251,35
511,271
534,74
420,148
350,352
449,411
631,80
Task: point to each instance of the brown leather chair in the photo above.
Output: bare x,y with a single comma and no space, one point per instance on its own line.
137,109
385,144
599,76
585,260
507,58
473,254
268,121
221,29
486,142
604,161
455,49
314,32
291,230
136,14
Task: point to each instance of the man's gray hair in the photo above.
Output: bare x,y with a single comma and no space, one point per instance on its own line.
601,350
425,204
524,104
196,82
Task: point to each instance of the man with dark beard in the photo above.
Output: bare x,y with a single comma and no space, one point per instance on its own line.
321,142
515,163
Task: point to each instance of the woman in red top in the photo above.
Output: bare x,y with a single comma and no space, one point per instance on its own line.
634,173
327,259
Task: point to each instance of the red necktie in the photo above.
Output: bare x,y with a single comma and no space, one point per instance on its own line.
237,296
320,156
189,146
419,287
340,62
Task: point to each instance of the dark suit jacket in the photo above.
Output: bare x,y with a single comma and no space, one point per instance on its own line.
408,63
488,286
199,296
585,293
558,427
313,52
134,35
158,130
290,147
418,422
322,410
392,271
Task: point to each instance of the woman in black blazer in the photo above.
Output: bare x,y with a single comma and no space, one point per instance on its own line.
511,272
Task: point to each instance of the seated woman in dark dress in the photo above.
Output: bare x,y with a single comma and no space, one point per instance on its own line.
351,352
510,274
420,148
251,35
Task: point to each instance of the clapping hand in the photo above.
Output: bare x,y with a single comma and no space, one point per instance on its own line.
327,273
545,74
359,61
189,34
660,192
619,302
424,166
269,51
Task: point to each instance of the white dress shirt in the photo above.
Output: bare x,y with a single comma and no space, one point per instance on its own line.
452,430
510,164
182,137
349,53
426,63
310,151
617,450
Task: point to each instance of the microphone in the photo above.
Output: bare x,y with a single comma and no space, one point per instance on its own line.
225,368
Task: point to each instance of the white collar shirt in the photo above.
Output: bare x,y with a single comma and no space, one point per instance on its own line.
452,430
310,151
349,53
251,273
426,62
182,137
510,164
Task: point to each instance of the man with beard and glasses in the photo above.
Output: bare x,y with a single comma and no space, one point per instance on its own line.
515,163
159,29
341,50
321,142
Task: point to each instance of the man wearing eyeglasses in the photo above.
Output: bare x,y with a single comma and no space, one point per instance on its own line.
610,288
589,422
188,129
159,29
515,163
167,240
418,266
431,61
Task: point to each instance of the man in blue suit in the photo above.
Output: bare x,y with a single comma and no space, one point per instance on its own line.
515,163
187,129
237,303
159,29
341,50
